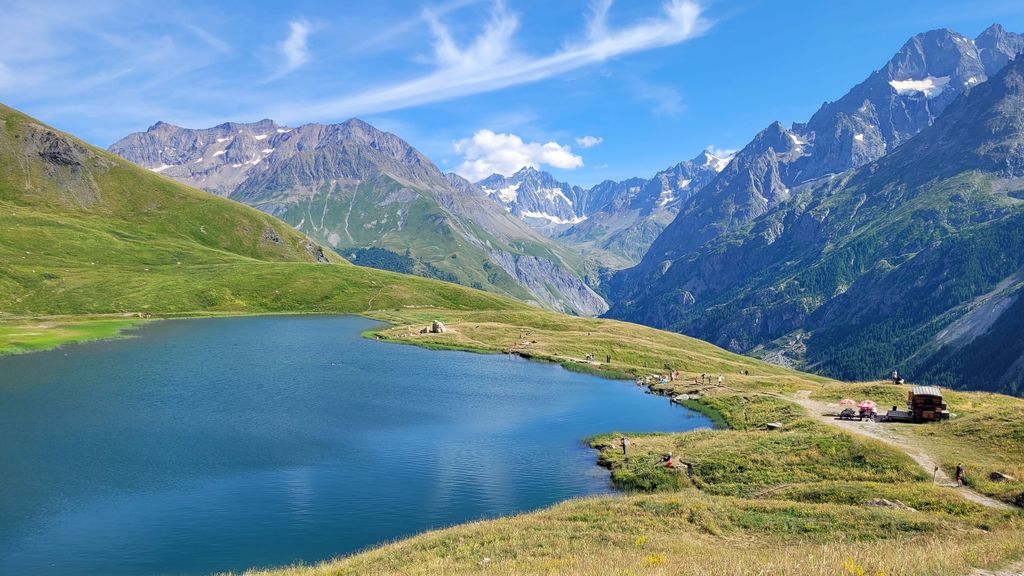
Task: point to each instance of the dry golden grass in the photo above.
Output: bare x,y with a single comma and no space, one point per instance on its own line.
685,533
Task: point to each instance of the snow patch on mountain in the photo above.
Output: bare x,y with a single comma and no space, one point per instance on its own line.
508,194
553,219
552,193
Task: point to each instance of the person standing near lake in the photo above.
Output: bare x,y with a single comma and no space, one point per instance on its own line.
624,442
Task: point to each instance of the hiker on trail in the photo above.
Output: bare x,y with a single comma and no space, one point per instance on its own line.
608,359
959,475
624,442
702,378
666,460
720,379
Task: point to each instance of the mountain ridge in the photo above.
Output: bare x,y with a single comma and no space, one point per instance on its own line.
905,263
355,187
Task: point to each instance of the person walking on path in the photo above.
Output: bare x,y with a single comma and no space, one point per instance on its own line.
720,379
959,475
624,442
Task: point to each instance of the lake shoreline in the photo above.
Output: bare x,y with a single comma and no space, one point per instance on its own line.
320,373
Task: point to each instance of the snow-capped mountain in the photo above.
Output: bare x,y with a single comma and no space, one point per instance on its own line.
632,213
359,189
536,197
841,240
875,117
614,221
215,159
915,260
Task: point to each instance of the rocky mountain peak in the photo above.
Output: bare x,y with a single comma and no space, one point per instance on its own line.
538,198
936,53
892,105
356,187
716,163
996,47
983,130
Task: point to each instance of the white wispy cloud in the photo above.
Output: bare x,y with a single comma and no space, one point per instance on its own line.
720,152
487,153
490,61
589,141
211,40
294,48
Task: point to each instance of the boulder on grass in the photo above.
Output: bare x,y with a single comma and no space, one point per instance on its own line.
884,503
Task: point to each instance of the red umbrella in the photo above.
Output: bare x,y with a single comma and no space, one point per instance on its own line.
867,404
847,402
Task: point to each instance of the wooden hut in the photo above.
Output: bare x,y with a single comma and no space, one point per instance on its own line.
926,404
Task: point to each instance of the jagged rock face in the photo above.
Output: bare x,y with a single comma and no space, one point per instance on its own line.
553,286
353,186
67,165
632,213
878,115
536,197
996,47
215,159
913,262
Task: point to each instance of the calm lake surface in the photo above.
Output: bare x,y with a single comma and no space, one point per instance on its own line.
221,444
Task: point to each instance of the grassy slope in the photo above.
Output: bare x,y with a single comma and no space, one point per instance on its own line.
106,237
136,242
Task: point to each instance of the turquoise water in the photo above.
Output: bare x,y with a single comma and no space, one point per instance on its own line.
221,444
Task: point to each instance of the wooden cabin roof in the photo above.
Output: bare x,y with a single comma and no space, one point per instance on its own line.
926,391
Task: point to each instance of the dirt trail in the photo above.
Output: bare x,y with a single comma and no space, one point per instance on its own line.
890,435
1016,569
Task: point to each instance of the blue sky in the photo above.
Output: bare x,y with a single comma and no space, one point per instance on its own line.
477,85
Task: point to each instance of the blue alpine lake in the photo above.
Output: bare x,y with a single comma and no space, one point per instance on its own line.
221,444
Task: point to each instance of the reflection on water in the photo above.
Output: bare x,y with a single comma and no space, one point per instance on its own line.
220,444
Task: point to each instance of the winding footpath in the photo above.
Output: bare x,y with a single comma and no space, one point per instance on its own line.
888,434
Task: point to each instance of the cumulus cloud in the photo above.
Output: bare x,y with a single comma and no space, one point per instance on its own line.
294,48
589,141
720,152
487,153
490,61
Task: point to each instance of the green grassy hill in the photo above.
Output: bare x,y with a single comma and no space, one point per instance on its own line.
83,231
